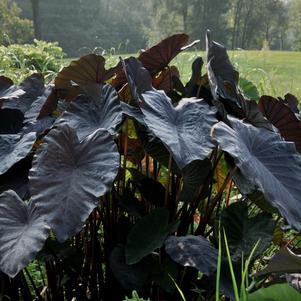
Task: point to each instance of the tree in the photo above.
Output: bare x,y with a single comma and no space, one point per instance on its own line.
13,29
36,18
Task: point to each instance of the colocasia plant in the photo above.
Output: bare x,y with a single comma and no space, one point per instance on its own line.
123,179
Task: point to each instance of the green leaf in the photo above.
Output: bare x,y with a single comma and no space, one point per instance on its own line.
276,292
243,231
148,234
248,88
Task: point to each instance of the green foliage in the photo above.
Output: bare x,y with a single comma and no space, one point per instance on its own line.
13,29
19,61
135,297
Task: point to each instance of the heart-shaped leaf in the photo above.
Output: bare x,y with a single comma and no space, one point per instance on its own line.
14,148
159,56
271,164
148,234
192,251
185,129
244,232
283,118
87,114
88,73
23,233
68,176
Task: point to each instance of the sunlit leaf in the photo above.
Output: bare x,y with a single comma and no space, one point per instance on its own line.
270,163
86,74
249,89
33,87
192,251
185,129
87,114
23,233
68,176
159,56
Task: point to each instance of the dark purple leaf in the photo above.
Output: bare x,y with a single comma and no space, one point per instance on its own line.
270,163
185,129
192,251
68,176
23,233
87,114
14,148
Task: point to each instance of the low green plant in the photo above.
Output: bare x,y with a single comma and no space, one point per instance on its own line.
19,61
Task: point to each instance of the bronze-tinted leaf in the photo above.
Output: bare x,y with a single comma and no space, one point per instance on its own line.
164,81
283,118
86,74
159,56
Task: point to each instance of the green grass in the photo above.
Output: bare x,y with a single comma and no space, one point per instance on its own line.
273,72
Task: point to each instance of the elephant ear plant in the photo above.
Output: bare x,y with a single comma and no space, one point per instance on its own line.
122,179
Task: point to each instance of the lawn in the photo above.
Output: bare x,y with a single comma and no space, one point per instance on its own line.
273,72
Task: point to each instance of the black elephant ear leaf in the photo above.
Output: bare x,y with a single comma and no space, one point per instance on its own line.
185,129
283,118
148,234
243,232
292,102
8,90
159,56
192,251
192,86
33,87
32,122
23,233
223,71
87,114
270,163
14,148
138,77
68,176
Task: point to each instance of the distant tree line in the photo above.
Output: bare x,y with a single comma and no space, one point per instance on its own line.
127,25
